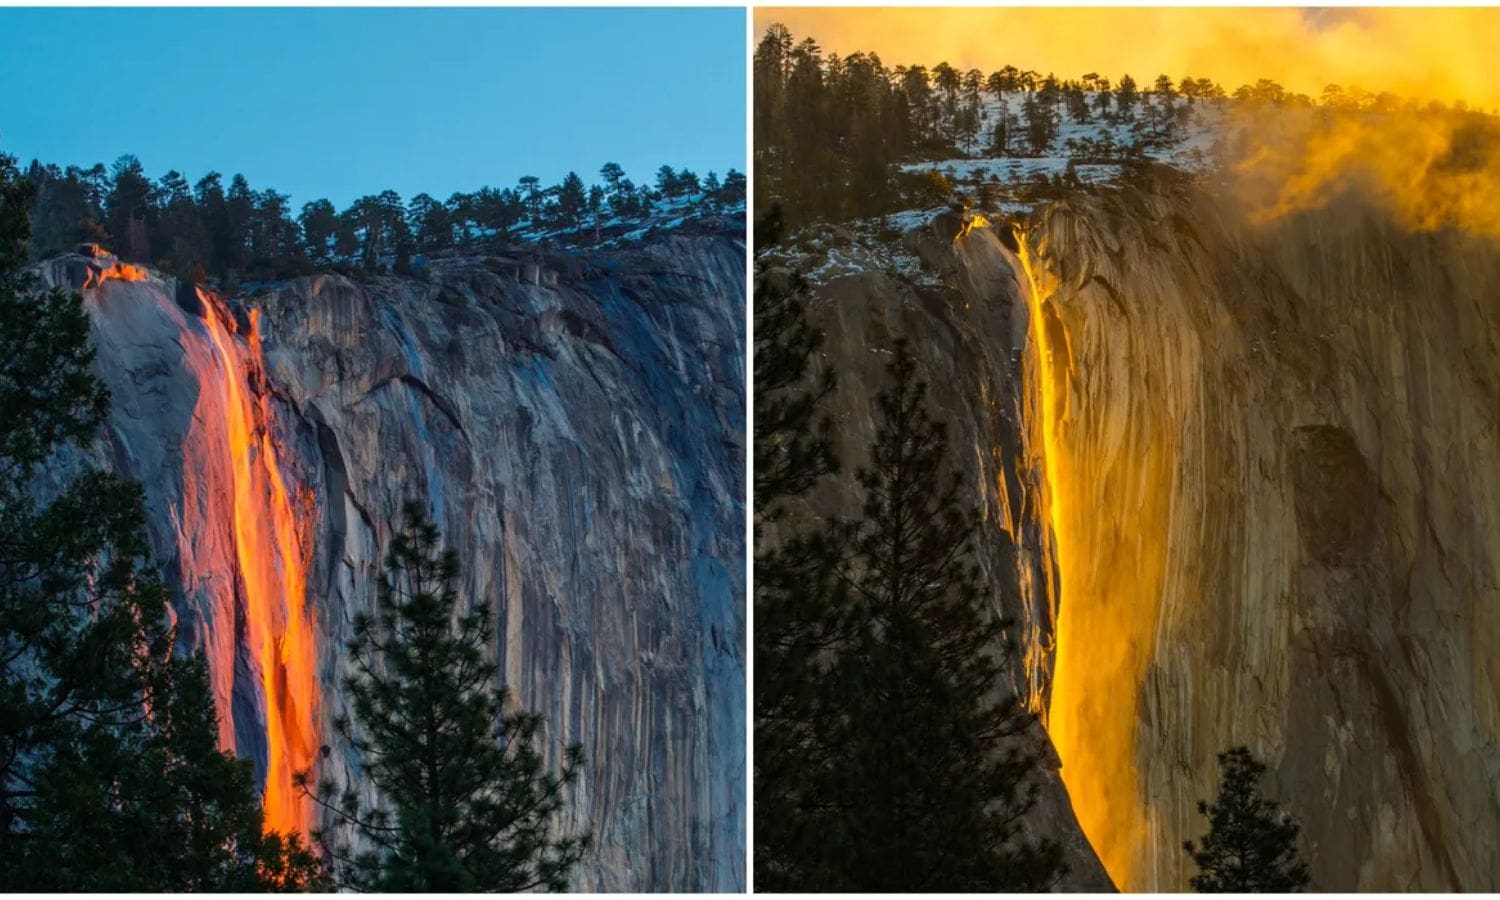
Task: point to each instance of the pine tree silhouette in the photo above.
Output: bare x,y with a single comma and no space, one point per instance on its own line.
466,799
1251,845
932,774
800,609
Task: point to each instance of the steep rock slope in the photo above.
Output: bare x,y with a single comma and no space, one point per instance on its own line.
967,320
1241,487
575,425
1280,526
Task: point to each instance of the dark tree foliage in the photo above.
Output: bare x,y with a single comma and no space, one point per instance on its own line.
801,610
792,440
67,209
431,223
467,801
243,234
320,226
128,208
830,131
572,200
733,189
884,759
935,760
110,778
826,132
1251,845
160,809
1041,123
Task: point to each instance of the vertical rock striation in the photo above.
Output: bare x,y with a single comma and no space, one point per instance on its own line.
1279,444
1241,486
968,325
578,435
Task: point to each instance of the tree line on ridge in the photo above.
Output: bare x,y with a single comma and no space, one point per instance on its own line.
206,230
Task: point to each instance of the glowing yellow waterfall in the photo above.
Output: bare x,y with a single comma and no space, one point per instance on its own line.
1108,500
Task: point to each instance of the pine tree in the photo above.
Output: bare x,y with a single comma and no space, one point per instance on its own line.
155,808
1041,124
572,200
734,187
935,763
667,182
467,801
208,193
596,208
129,209
792,439
1125,95
621,192
612,174
800,611
63,215
531,187
109,774
319,224
1251,846
430,223
180,241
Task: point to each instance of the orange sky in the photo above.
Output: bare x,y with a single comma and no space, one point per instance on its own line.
1429,53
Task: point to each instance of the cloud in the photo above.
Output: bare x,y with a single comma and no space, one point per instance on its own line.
1432,54
1429,168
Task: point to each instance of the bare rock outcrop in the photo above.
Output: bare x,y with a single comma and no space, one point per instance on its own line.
1240,485
579,438
1279,443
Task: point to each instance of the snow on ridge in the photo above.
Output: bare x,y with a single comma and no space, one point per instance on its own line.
1008,169
1094,151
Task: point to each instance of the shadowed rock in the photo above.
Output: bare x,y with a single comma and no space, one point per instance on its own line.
580,442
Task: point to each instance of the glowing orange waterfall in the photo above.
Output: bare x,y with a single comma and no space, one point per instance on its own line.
1105,506
279,628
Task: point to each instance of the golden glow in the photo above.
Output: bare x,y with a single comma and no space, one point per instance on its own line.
1043,386
124,272
1110,476
1085,790
971,222
1427,169
117,272
269,553
1431,54
1109,506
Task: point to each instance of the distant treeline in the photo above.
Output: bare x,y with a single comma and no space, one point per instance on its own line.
205,230
829,129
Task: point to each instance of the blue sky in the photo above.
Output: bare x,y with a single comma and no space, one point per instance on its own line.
338,103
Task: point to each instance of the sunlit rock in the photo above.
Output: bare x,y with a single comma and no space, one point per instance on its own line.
1240,484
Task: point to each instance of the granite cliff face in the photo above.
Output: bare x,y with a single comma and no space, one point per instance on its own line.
967,320
1241,487
1281,526
575,424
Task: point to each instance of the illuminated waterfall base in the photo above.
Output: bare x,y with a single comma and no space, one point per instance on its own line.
279,630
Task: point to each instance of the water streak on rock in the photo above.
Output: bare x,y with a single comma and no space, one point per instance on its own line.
272,573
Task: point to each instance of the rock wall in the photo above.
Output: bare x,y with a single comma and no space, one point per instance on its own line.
1281,527
579,439
1241,486
968,327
